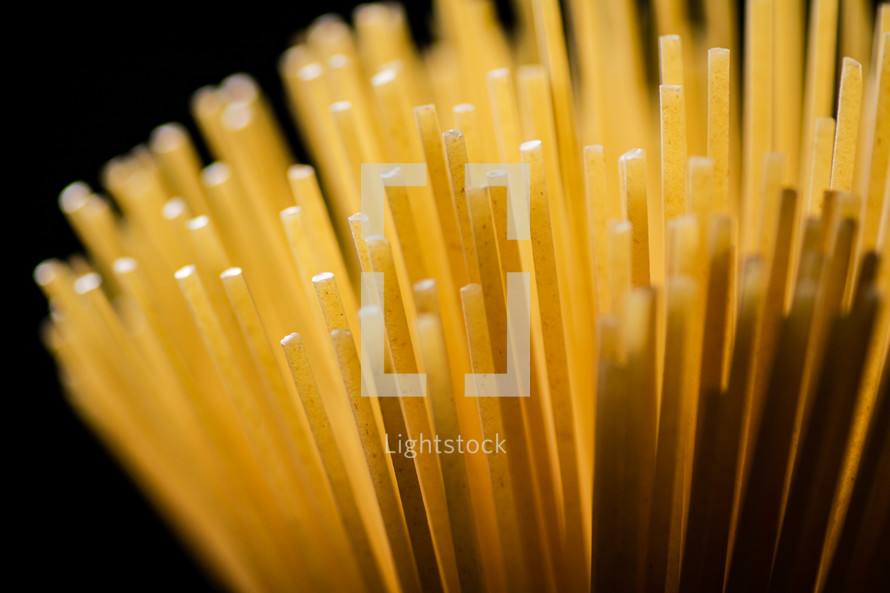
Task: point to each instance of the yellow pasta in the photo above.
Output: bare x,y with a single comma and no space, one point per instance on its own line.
616,355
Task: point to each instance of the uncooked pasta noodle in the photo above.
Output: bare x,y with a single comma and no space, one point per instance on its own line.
547,322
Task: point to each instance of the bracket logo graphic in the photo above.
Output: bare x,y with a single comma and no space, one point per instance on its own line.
516,382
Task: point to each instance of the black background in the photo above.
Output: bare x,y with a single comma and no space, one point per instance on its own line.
88,85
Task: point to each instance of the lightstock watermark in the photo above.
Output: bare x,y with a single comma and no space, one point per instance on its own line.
516,382
436,445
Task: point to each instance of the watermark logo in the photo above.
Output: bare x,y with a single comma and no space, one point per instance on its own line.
436,445
516,382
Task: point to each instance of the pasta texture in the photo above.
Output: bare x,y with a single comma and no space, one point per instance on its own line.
595,304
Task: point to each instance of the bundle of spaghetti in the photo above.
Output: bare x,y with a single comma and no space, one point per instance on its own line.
705,400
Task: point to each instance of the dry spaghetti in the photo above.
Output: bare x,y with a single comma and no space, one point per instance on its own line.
707,395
